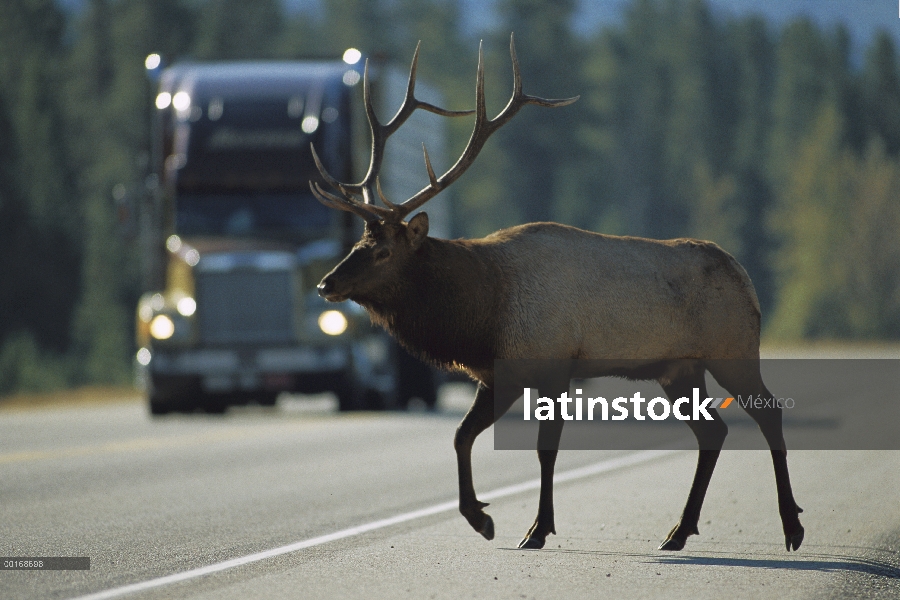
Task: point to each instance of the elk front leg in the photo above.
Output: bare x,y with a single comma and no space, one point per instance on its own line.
548,445
710,438
480,416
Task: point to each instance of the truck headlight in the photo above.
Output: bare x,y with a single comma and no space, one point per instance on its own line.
143,357
186,306
162,327
333,322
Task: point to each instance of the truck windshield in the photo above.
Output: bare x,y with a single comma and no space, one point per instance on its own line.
287,216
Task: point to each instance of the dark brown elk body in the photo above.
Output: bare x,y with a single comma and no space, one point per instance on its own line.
549,291
519,294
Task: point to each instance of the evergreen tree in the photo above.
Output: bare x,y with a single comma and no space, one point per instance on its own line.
751,50
664,117
542,145
302,37
805,219
41,253
768,142
870,254
368,25
235,29
839,266
881,92
110,113
810,72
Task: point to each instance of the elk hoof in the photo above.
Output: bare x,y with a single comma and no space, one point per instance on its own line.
677,537
793,540
478,519
537,535
487,529
672,545
531,543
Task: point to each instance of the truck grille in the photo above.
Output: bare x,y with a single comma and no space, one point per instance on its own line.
245,306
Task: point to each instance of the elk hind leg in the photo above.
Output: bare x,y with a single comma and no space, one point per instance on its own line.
549,434
742,377
710,437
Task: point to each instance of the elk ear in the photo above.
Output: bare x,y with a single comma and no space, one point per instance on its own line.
417,230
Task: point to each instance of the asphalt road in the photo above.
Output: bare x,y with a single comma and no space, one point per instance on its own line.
363,506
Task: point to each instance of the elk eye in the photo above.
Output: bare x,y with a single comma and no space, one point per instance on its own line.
382,254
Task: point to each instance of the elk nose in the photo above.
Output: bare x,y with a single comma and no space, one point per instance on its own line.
325,287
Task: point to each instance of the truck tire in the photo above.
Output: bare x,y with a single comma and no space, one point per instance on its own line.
374,400
172,394
349,394
267,399
159,407
415,379
214,404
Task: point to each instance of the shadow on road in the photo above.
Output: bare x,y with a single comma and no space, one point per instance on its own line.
834,563
814,562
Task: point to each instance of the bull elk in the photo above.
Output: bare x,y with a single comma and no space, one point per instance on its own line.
545,290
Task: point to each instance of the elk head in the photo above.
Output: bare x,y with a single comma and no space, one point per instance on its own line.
388,242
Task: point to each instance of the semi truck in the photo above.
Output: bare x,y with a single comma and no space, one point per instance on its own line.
234,243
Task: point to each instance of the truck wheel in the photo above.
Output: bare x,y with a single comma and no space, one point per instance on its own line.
349,395
415,379
159,407
374,400
214,404
172,393
429,392
267,399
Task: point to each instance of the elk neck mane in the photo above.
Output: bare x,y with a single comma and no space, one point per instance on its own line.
444,307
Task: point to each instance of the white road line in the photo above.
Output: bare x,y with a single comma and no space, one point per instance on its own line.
600,467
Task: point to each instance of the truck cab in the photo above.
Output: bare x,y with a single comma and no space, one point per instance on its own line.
234,244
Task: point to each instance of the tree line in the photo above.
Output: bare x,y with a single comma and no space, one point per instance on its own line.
779,143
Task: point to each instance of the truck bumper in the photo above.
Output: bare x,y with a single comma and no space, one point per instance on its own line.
231,370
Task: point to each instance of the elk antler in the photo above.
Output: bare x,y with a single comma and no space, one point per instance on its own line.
380,133
480,133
